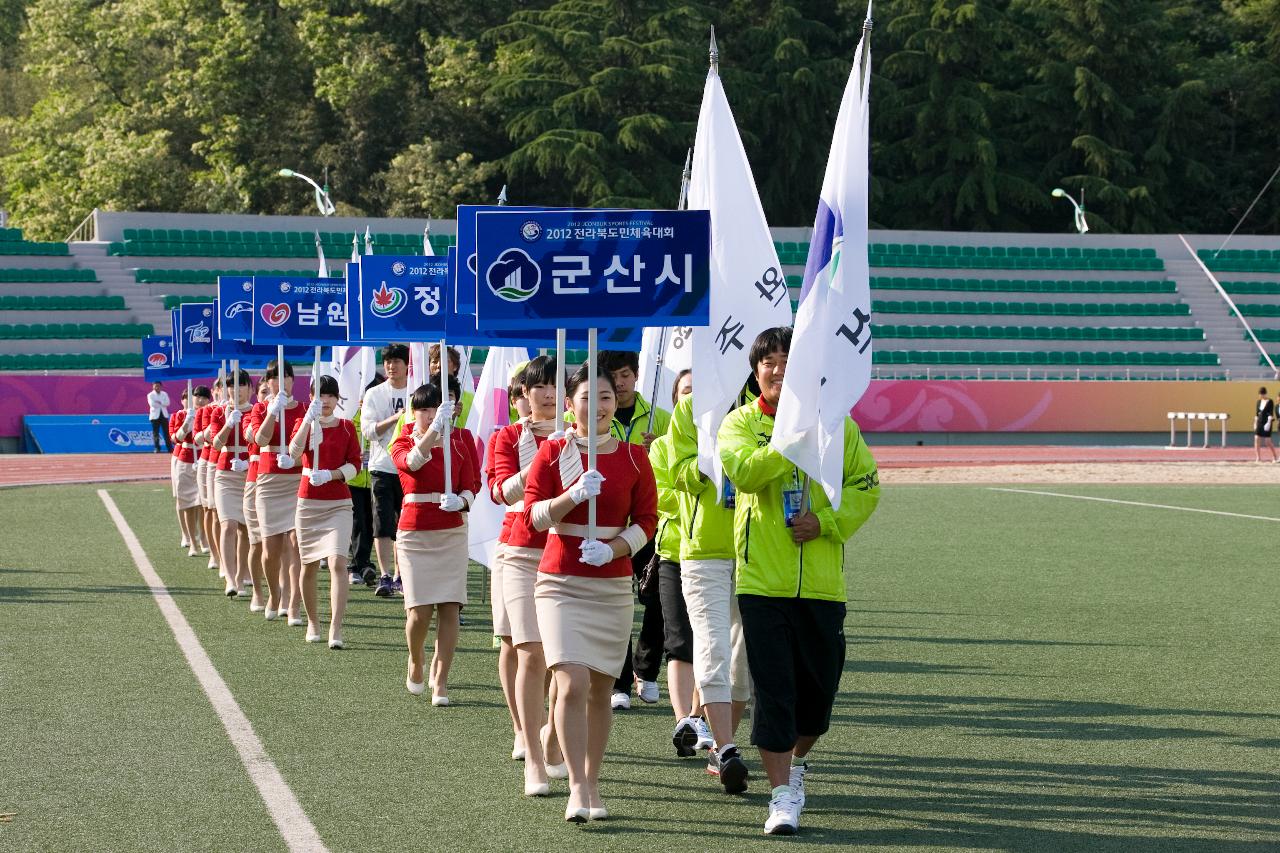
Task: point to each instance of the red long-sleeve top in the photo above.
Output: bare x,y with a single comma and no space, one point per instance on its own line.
339,445
506,455
246,435
182,448
202,422
217,421
267,455
628,496
490,477
429,479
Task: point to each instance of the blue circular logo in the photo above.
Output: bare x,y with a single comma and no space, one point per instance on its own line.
531,231
119,437
398,268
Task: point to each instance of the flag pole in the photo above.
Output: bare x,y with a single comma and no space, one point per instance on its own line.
592,391
235,403
444,392
560,380
284,439
682,204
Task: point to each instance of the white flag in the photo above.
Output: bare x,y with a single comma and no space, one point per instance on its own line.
368,242
426,241
491,410
673,345
355,247
353,367
748,289
324,267
832,339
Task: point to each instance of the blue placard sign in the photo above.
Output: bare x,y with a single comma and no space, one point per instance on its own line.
466,246
299,311
404,297
353,309
593,268
159,361
195,332
235,307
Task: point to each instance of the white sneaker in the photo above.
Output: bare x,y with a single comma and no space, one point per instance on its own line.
705,739
784,812
648,691
797,780
620,701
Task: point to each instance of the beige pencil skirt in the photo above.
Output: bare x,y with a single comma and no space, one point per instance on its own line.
277,498
186,490
173,475
324,529
433,566
497,604
585,621
228,495
519,574
250,508
202,471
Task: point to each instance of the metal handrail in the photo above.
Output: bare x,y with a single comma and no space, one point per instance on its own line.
86,231
1230,302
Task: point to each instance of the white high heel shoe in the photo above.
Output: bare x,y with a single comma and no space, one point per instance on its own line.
414,687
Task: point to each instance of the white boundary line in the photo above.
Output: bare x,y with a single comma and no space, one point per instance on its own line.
1133,503
299,833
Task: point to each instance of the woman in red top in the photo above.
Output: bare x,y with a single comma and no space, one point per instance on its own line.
253,531
276,491
514,451
228,481
175,453
431,538
186,491
583,593
204,476
330,453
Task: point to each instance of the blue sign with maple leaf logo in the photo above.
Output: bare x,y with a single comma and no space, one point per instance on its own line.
403,297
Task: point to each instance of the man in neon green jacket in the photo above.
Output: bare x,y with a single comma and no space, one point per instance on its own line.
707,580
791,585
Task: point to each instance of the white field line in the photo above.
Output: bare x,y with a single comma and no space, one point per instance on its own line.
1134,503
296,828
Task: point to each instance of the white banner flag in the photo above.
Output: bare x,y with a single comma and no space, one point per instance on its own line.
673,344
490,411
829,366
748,289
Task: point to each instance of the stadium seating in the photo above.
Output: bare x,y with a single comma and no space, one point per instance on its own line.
25,331
41,276
920,255
71,361
62,303
1241,260
1058,309
1043,333
162,276
1047,357
12,243
1252,288
173,301
1257,309
174,242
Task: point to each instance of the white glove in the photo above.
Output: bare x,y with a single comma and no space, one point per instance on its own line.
284,461
277,405
449,502
320,476
240,465
444,415
313,410
233,417
588,486
596,553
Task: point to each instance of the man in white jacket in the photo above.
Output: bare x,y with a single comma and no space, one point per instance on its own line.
158,412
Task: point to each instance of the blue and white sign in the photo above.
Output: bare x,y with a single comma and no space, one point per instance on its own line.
235,307
88,433
466,246
299,311
353,309
404,297
593,268
195,332
159,361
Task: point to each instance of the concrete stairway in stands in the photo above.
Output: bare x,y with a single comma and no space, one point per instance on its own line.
1223,330
118,281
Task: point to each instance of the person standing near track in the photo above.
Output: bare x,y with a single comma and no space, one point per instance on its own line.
1264,418
380,411
158,413
186,488
583,594
276,492
791,586
229,475
253,530
330,454
691,732
514,452
431,547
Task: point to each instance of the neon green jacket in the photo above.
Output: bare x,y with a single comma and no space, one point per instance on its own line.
769,562
639,422
360,480
671,503
707,526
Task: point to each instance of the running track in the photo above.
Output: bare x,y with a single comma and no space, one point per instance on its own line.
33,469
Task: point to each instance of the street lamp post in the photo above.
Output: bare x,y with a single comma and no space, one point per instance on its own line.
323,202
1082,225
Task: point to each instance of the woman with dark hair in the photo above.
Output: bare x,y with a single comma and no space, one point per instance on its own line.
252,529
330,454
228,482
514,451
272,421
431,541
186,488
583,593
1264,418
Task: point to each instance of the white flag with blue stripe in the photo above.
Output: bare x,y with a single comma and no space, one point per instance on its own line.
829,366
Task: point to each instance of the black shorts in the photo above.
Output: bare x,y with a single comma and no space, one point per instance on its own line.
677,635
795,650
387,498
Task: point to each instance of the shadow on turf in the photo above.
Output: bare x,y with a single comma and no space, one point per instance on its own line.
969,803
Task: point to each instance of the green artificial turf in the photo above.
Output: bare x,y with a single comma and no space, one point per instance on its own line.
1025,673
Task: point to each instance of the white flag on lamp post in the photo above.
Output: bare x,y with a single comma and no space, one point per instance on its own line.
748,289
829,366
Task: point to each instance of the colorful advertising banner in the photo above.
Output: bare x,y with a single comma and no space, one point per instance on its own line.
299,311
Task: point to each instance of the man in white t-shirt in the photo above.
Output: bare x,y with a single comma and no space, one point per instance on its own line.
158,412
379,413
